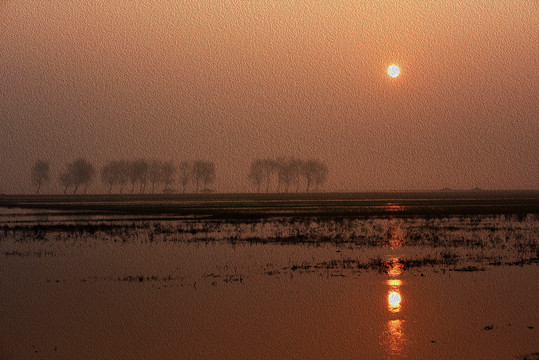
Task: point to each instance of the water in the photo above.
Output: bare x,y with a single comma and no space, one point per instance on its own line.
89,282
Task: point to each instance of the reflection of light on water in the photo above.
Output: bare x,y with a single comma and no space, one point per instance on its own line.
395,336
393,207
394,266
395,234
394,299
394,302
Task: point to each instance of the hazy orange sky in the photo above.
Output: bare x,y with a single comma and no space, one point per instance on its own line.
233,80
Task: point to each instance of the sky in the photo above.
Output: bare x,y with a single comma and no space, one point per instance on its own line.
234,80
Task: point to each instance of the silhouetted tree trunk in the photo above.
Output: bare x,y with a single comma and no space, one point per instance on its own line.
289,173
79,172
40,174
203,171
256,173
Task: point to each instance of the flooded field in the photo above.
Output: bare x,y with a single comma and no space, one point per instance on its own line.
238,278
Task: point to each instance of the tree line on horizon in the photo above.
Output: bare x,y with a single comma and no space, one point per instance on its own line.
284,174
140,175
133,175
154,173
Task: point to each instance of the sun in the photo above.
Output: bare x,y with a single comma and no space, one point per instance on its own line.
393,70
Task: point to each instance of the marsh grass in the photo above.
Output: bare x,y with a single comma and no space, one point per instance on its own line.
359,243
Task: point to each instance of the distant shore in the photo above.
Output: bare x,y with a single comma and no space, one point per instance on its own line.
358,204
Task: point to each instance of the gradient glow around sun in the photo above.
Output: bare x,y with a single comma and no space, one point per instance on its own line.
393,70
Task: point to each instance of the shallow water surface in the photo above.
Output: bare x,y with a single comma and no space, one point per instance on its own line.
303,287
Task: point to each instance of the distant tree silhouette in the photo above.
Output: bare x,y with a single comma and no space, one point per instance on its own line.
123,173
115,173
203,171
185,174
292,170
168,170
138,172
155,173
161,172
108,175
314,171
257,173
289,172
262,171
285,172
321,174
270,168
66,180
295,168
79,172
83,173
40,174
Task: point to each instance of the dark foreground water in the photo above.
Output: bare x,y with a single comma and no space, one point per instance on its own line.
123,278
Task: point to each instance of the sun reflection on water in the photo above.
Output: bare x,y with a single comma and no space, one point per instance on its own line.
392,207
394,282
395,234
394,267
394,300
394,335
396,338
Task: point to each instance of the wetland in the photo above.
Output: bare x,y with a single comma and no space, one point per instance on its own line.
276,276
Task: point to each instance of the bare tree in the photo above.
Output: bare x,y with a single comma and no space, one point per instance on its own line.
168,170
155,173
309,172
108,175
138,172
81,172
40,174
77,173
203,171
321,174
270,168
280,171
295,167
209,174
115,173
314,171
185,174
122,173
284,170
288,172
257,173
66,180
198,169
